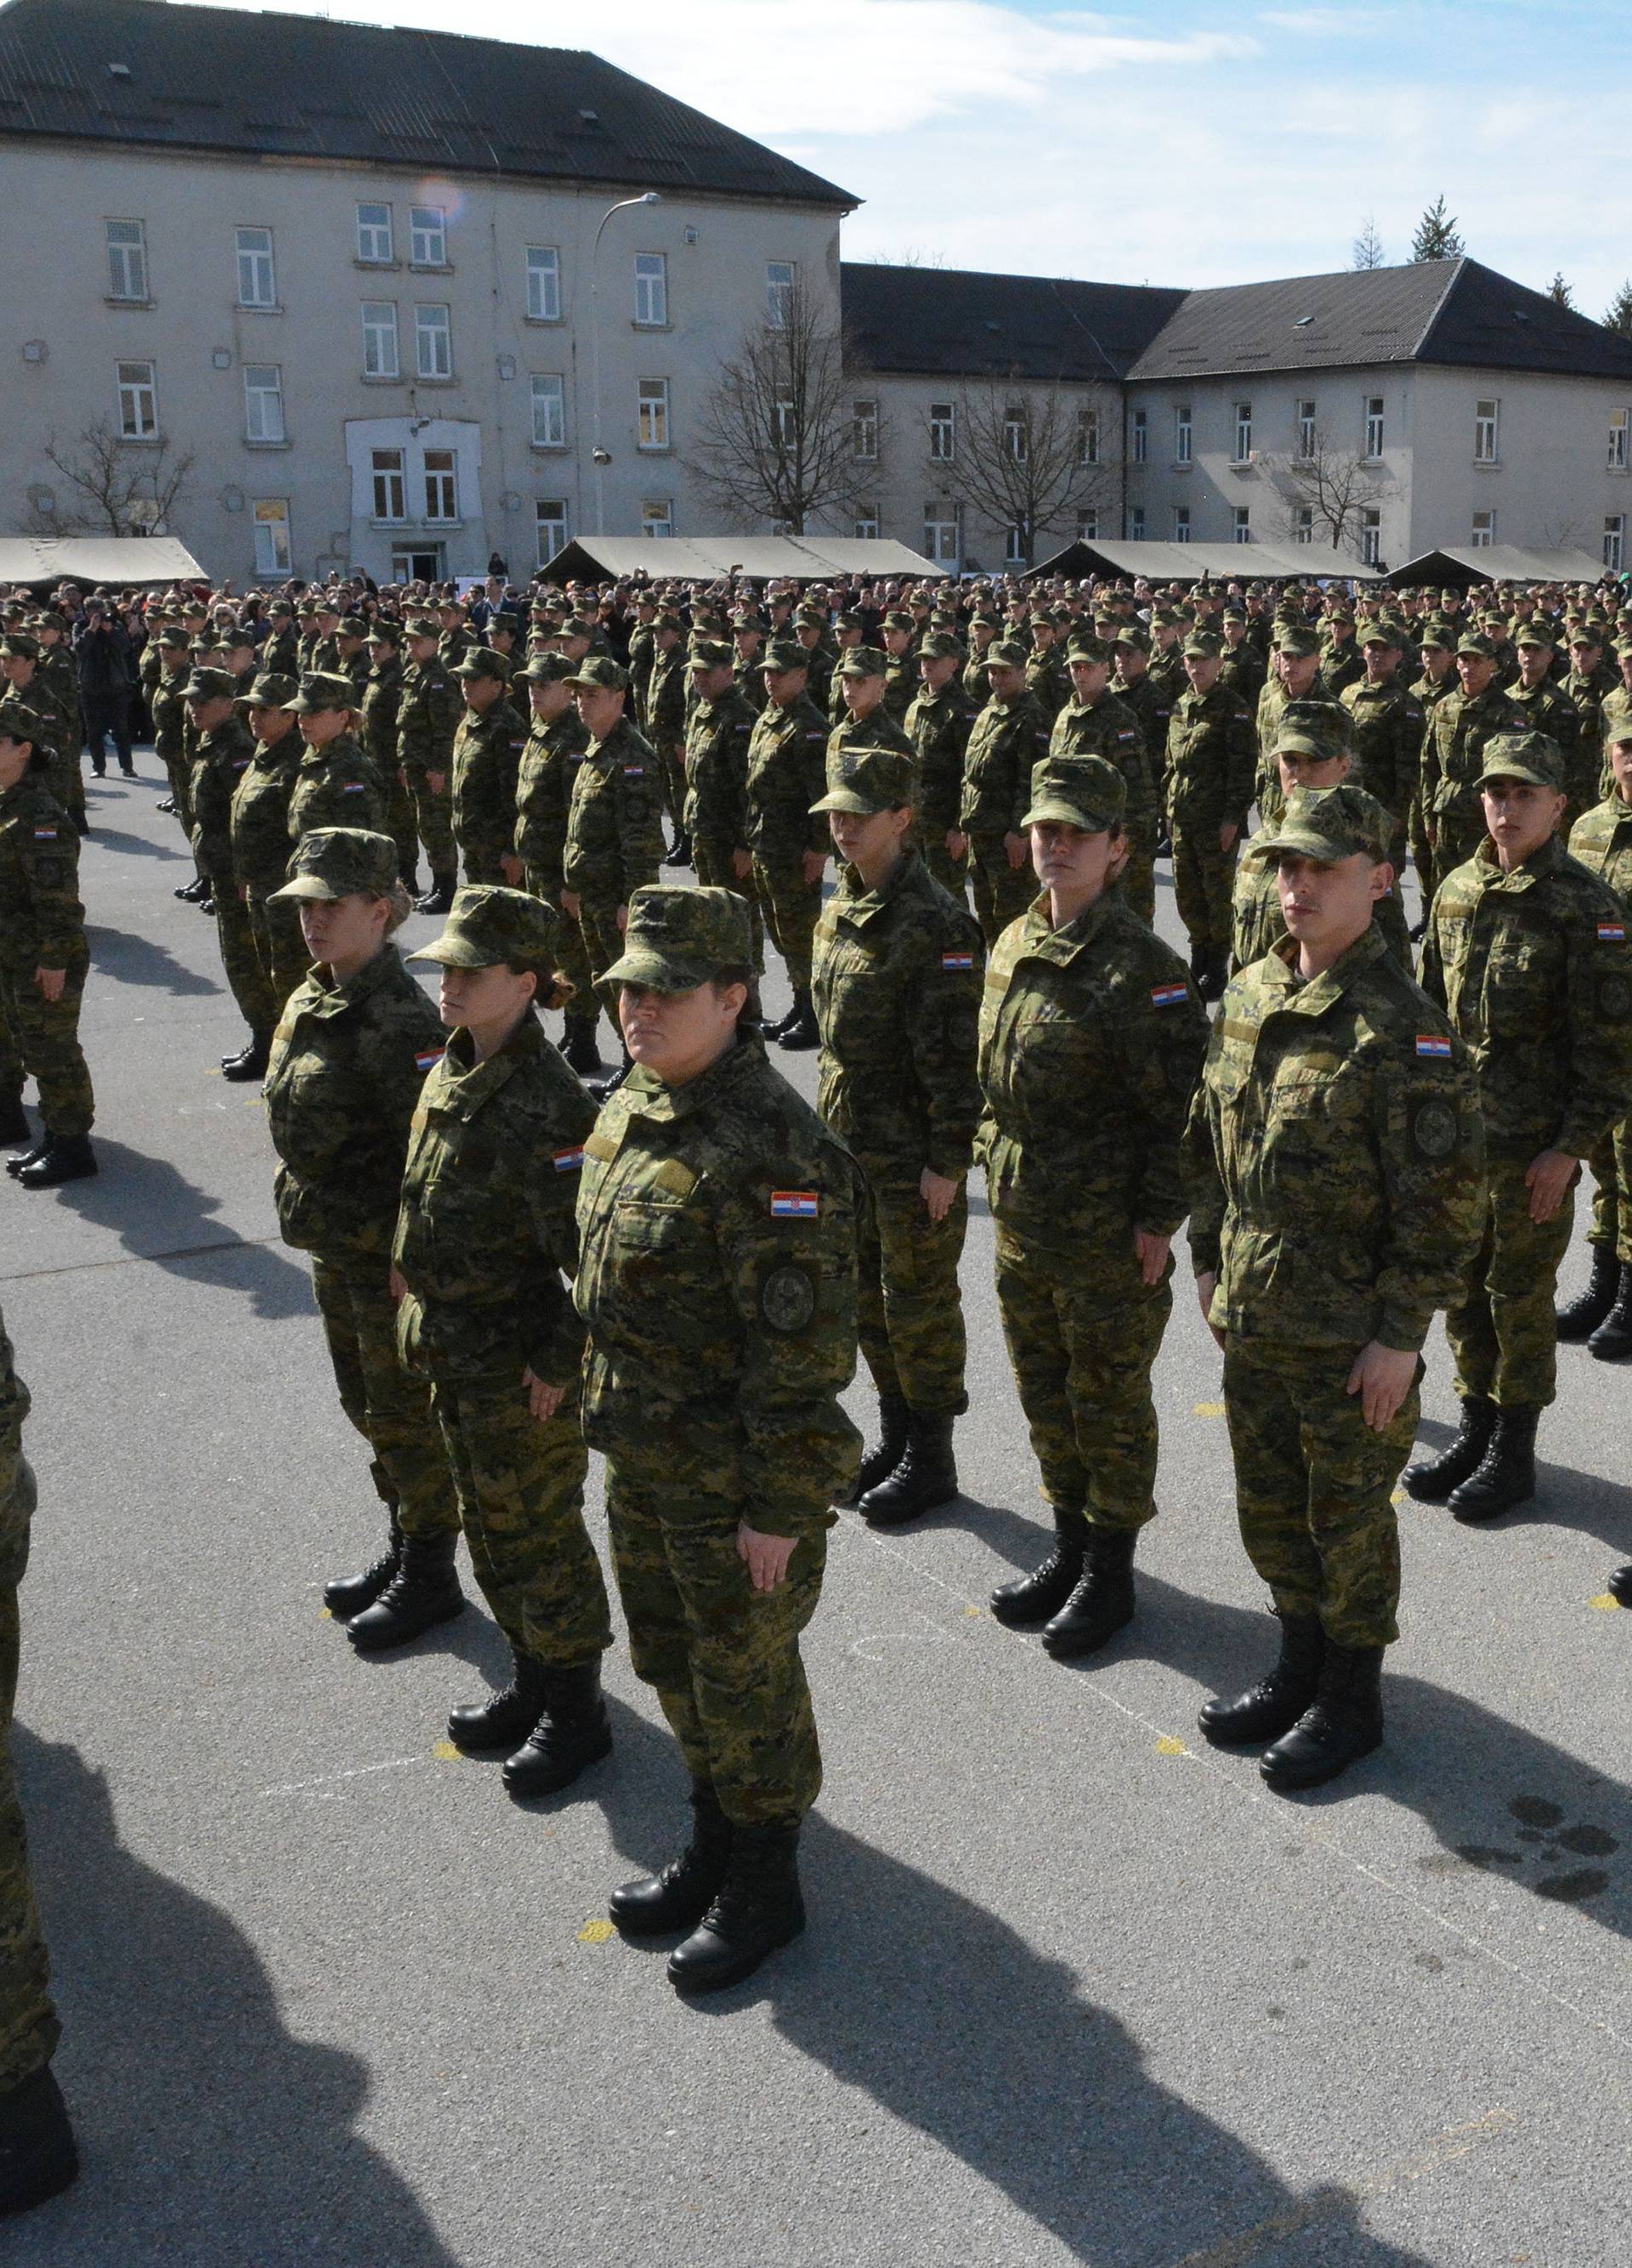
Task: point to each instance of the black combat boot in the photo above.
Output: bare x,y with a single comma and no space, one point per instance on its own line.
882,1461
679,851
38,2158
193,893
573,1734
1213,977
578,1048
926,1476
65,1157
348,1594
1432,1479
424,1591
1587,1310
410,883
1506,1474
14,1126
1343,1723
165,803
1103,1601
1619,1584
1274,1705
37,1148
1611,1341
503,1719
757,1908
683,1893
1033,1598
602,1087
439,899
800,1031
250,1062
774,1031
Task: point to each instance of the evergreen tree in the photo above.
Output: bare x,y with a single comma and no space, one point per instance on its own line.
1437,237
1618,314
1560,292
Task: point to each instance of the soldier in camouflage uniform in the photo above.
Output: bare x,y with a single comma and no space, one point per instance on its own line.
487,753
1152,704
1294,675
1436,683
335,784
349,1059
1549,710
1342,664
44,957
1589,683
1007,737
901,683
167,707
549,761
665,724
1314,749
1210,755
1242,667
222,755
722,726
427,717
486,1245
1388,727
937,723
1527,952
614,824
897,985
787,844
259,825
1090,1042
20,668
1095,722
717,1282
1334,1164
382,729
1454,753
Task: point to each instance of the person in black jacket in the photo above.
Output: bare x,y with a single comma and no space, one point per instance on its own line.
107,668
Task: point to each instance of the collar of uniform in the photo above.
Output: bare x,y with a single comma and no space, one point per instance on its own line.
647,1096
471,1084
1545,861
622,730
856,906
1321,992
1041,941
272,756
338,999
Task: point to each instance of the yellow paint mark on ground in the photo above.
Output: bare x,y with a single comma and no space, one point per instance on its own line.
446,1753
326,1613
972,1611
1399,1497
1607,1602
1167,1746
1209,1410
596,1932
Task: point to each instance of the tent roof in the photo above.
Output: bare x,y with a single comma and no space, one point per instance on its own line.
1498,562
704,558
1188,563
97,559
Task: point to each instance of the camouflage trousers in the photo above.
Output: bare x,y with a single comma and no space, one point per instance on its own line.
433,821
723,1657
1204,883
569,946
482,866
603,940
247,980
791,907
1002,892
1458,830
45,1033
401,824
521,1505
12,1071
388,1406
1502,1329
671,764
1083,1341
179,770
1314,1487
29,2030
716,869
951,874
280,948
1611,1161
67,780
910,1311
1138,884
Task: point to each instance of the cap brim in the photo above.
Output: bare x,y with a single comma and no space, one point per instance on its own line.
1519,772
654,972
846,799
1055,811
306,885
454,953
1298,842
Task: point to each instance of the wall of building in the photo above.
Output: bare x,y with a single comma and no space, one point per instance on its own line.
1550,486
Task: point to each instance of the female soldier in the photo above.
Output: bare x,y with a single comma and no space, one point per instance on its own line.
260,832
1091,1041
485,1244
348,1060
335,784
718,1284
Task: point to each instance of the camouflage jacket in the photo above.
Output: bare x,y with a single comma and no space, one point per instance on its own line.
169,715
487,757
665,725
41,920
1109,728
549,763
1257,925
716,744
614,832
1533,969
1601,841
383,704
1005,740
17,1479
1210,756
1244,671
486,1240
427,717
259,815
1153,709
1092,1037
786,774
938,725
1549,708
1587,691
1453,751
1389,723
1048,681
220,761
1333,1157
1342,666
346,1066
279,655
1274,698
718,1283
335,785
901,686
895,979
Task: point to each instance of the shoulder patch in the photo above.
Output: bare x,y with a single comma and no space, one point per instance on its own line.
1168,995
958,961
1612,933
795,1204
1434,1043
787,1297
428,1058
1434,1128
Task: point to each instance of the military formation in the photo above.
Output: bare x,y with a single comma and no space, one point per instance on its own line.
943,808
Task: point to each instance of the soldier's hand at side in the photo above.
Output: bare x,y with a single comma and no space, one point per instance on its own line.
1382,1377
741,865
956,844
814,861
1227,837
543,1400
623,919
399,1288
938,1192
1019,850
765,1557
1205,1285
1151,1253
570,904
436,782
1548,1181
51,982
510,867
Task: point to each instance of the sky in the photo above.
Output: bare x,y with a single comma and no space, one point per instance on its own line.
1186,143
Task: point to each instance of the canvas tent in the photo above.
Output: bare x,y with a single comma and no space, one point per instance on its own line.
705,558
1188,563
1455,566
118,560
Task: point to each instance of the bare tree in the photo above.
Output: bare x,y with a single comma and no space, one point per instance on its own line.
116,487
1026,456
1368,247
779,433
1563,534
1335,486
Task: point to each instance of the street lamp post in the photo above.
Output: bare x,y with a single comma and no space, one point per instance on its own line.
598,455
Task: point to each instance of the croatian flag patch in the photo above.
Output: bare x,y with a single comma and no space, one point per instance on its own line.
1430,1043
634,771
958,961
568,1162
1168,995
355,787
45,834
1612,933
429,1059
794,1204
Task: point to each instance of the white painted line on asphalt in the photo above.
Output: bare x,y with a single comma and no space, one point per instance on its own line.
357,1772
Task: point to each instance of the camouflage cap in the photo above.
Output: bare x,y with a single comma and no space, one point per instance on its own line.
678,937
20,645
811,618
1534,633
488,926
1529,756
1130,633
1384,630
600,673
174,635
271,690
575,626
484,661
19,720
340,862
353,626
423,626
1587,632
1083,792
1007,653
1297,638
1327,824
1322,729
711,654
1618,732
1438,632
212,685
323,689
1080,646
898,619
865,661
1470,642
544,669
385,629
48,619
867,781
940,646
1207,645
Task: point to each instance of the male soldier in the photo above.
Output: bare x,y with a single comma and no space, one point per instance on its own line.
550,761
984,626
1095,722
1550,712
1166,659
305,640
1333,1161
1589,682
666,725
326,640
427,718
1046,679
259,829
280,647
847,635
1294,675
352,652
1454,753
487,752
716,772
938,726
223,753
748,638
614,827
1438,682
1007,737
457,636
900,650
865,719
1341,665
20,668
1242,668
1388,723
642,653
1151,704
810,629
1527,952
1210,787
381,732
787,843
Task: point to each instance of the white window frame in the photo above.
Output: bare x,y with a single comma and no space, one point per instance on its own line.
441,485
389,473
1374,428
1088,526
1483,534
652,415
864,428
375,236
943,534
543,283
943,432
1242,526
1018,432
257,266
263,401
436,336
1370,534
269,516
1183,435
1614,540
1243,433
1620,422
1487,433
1136,523
652,291
1141,439
136,387
382,355
127,264
1013,545
864,527
427,236
1305,427
550,513
1181,523
787,423
781,284
1303,524
657,519
1088,437
548,393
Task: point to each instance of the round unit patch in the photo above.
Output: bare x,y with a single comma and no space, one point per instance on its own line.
1434,1129
787,1297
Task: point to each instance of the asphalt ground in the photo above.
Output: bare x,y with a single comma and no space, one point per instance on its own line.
1076,1988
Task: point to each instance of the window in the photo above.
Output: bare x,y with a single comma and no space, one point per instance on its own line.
138,402
780,276
550,517
657,518
441,485
1484,530
1484,434
1243,524
1182,431
1015,545
257,283
374,235
651,290
940,532
1088,437
1303,524
127,260
263,401
427,236
390,492
1243,432
271,526
864,424
866,522
1141,436
942,432
380,359
433,342
1374,425
1370,535
1617,441
543,283
1181,523
1088,527
652,413
1614,542
549,411
1136,523
1305,428
1018,432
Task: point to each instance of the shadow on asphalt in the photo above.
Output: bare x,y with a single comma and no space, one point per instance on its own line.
207,2130
132,959
137,846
